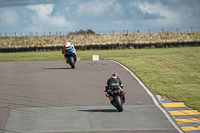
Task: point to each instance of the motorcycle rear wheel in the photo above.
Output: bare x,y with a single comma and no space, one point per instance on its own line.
118,103
71,62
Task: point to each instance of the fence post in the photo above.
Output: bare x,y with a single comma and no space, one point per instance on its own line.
149,31
163,30
177,30
191,29
113,31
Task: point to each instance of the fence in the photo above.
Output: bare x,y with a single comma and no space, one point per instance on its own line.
135,31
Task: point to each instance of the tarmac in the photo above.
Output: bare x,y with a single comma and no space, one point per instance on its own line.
49,97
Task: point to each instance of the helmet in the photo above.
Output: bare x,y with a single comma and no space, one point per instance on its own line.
68,45
114,75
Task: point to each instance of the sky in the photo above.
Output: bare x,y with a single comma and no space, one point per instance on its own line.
25,16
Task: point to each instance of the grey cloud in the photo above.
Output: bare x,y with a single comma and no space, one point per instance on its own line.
183,5
109,12
184,13
136,14
4,3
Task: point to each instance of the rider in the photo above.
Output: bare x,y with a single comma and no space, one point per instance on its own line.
66,47
114,81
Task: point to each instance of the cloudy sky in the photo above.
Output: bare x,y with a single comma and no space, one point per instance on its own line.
25,16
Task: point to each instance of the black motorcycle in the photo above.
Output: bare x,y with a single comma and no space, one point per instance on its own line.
71,58
117,101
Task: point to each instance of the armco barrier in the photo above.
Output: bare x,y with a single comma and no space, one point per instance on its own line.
109,46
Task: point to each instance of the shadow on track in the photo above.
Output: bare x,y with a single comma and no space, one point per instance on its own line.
99,110
56,68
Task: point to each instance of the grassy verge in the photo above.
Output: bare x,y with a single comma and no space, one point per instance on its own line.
173,72
175,75
31,56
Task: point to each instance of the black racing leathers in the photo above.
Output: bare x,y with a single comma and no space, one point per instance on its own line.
114,82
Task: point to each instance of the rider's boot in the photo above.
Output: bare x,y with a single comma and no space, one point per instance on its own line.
66,59
123,98
107,95
111,99
122,95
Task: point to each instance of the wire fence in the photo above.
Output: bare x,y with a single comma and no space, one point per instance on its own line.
100,32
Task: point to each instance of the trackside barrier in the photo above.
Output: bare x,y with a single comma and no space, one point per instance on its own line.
103,47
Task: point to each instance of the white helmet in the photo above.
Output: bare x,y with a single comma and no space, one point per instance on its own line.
68,45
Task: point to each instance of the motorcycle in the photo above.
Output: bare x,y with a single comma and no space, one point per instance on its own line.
71,58
117,101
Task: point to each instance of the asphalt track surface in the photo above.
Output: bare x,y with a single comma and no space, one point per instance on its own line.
52,97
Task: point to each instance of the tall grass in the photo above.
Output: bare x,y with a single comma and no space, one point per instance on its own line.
94,39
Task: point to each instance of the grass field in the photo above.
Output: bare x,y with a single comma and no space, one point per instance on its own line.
175,75
172,72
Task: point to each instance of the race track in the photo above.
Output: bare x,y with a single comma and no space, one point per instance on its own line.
52,97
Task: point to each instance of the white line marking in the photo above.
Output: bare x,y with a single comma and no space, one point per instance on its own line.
152,96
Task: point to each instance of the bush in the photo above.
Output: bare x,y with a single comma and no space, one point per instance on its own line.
160,45
196,45
82,32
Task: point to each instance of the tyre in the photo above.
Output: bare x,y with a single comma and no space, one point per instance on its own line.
118,103
71,62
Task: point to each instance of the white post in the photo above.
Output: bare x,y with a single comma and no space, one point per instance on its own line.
95,57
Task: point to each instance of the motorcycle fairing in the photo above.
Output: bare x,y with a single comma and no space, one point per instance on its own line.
69,52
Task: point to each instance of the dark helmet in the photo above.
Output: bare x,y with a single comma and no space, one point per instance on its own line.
114,75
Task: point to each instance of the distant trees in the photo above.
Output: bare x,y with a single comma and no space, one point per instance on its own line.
82,32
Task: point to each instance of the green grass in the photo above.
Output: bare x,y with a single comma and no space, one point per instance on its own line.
31,56
175,75
87,54
172,72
